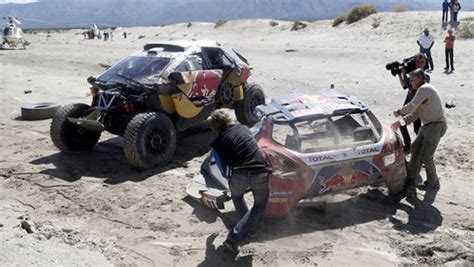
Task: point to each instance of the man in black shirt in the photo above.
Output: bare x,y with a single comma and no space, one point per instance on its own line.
237,149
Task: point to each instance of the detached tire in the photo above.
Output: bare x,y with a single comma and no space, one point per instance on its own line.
69,137
38,111
245,109
149,140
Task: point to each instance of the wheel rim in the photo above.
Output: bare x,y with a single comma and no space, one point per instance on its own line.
156,141
254,102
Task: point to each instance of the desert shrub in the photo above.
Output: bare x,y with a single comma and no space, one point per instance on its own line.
189,25
467,19
338,20
466,31
400,9
273,23
141,36
376,23
220,23
360,12
298,25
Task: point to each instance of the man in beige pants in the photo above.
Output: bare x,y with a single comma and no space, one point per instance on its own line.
426,105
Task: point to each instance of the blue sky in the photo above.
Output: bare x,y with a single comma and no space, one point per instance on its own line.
16,1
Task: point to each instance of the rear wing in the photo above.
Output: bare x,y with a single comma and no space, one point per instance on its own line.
295,108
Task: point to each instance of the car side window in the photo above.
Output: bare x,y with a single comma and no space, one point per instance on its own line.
190,64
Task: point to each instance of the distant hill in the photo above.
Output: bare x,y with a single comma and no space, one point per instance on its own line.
80,13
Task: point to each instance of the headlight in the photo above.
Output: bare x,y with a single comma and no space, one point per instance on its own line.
389,159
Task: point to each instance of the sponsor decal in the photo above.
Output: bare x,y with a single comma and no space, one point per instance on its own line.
321,158
281,193
368,151
334,183
277,200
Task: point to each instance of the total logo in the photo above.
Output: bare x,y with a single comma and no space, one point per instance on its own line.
322,158
368,151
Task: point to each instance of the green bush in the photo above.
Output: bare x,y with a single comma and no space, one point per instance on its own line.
298,25
220,23
376,23
466,31
467,19
273,23
360,12
400,9
338,20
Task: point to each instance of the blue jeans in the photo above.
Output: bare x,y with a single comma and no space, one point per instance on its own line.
429,62
239,183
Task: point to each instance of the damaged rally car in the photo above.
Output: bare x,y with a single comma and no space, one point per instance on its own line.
315,145
149,96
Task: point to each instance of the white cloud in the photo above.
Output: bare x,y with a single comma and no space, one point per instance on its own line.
17,1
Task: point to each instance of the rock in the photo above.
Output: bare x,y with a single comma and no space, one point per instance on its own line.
27,226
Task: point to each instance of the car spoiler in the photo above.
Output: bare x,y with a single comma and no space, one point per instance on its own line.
296,108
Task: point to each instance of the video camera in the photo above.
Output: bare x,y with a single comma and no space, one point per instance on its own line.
396,67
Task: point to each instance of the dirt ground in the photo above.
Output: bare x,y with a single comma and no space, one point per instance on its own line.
91,208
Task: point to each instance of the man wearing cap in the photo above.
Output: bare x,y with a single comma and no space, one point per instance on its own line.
426,42
426,105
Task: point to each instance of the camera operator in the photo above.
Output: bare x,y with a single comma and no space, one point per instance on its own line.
420,61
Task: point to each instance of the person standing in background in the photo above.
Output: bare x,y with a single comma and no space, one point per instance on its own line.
445,11
455,6
449,50
426,42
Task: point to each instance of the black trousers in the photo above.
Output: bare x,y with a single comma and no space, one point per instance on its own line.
449,52
445,15
455,16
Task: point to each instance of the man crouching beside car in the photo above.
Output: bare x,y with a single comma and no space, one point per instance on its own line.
426,105
239,159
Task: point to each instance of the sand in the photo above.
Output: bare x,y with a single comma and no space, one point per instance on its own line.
91,208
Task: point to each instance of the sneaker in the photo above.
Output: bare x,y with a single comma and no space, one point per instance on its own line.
231,247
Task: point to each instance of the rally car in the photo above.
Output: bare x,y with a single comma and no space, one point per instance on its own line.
149,96
315,145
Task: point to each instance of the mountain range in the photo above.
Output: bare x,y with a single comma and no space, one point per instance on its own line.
127,13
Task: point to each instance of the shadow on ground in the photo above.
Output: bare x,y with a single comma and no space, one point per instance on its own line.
371,206
107,160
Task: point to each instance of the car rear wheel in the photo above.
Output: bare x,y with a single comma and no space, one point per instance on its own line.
149,140
70,137
245,109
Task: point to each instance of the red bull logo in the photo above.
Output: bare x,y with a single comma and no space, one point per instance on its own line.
359,178
334,183
205,84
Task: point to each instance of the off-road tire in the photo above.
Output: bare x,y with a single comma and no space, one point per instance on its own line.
149,140
69,137
38,111
245,109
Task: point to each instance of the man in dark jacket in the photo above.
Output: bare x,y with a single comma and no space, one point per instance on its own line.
237,149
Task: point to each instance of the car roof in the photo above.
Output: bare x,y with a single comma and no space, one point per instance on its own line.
297,108
183,45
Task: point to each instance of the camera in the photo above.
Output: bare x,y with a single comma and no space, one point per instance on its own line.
396,67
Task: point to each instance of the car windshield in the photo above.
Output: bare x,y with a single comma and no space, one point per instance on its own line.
141,69
329,133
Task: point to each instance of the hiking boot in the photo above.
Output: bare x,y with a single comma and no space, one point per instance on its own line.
231,247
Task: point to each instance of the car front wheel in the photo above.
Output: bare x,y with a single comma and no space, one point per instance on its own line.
149,140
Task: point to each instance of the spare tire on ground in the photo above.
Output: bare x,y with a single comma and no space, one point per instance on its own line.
38,111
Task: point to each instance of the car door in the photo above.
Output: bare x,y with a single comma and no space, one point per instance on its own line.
200,85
